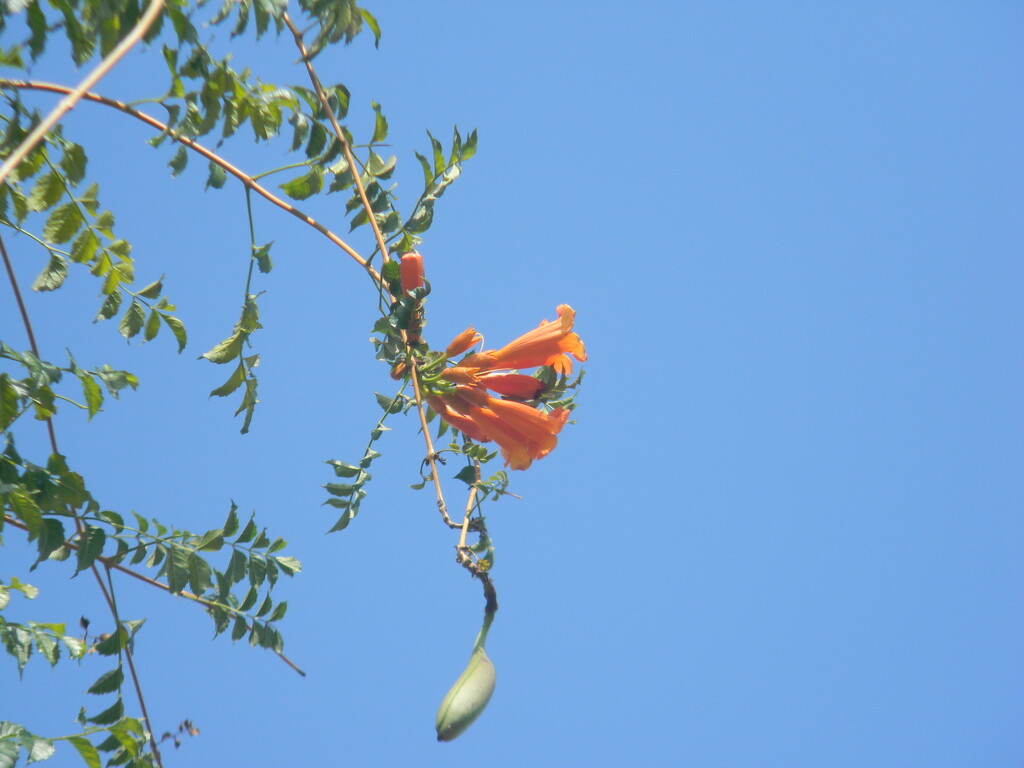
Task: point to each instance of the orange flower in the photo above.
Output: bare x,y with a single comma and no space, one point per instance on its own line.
522,432
550,343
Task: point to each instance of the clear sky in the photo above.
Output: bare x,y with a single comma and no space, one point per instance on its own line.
788,527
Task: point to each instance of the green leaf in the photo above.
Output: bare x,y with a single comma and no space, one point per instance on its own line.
257,568
249,600
63,223
387,403
179,161
90,546
469,147
85,246
380,126
40,749
110,306
47,190
262,256
240,628
86,750
152,325
289,565
53,276
92,393
50,540
132,321
217,176
198,574
110,715
108,682
228,349
264,606
112,644
27,510
237,567
439,163
231,524
176,568
152,290
341,469
371,22
247,533
74,161
234,382
279,611
178,329
306,185
211,541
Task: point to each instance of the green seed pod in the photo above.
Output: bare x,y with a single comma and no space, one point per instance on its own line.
467,698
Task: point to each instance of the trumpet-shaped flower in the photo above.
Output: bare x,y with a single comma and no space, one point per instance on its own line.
523,433
550,343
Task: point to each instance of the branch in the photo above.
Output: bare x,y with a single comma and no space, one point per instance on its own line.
431,454
195,146
318,87
114,566
78,522
74,96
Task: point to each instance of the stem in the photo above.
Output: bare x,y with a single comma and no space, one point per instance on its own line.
195,146
481,638
431,454
470,503
318,87
74,96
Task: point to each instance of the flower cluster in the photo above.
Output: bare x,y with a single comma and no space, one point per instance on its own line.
523,433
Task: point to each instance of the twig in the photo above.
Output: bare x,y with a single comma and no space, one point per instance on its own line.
431,454
470,503
78,522
64,105
195,146
110,564
321,94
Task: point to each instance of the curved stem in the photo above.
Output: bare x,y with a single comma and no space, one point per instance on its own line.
75,95
195,146
318,87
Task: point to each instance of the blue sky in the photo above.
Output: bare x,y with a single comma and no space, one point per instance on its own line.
788,527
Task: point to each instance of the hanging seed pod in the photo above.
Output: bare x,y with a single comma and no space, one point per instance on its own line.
467,698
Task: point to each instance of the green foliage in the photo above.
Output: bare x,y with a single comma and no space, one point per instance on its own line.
75,228
348,495
232,570
230,349
35,391
47,639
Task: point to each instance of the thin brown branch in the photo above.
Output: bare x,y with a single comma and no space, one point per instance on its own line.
115,566
213,157
74,95
322,95
112,607
431,454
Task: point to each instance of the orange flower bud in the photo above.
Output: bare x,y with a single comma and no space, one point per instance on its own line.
411,271
462,342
